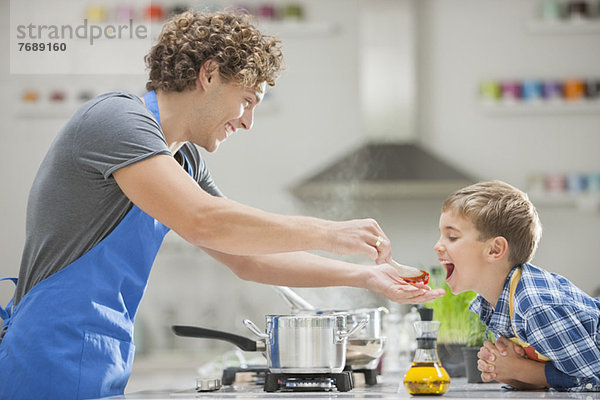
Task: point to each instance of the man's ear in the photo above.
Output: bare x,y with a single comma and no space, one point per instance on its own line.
497,248
207,74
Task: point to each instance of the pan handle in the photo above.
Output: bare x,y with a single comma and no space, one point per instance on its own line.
193,331
294,300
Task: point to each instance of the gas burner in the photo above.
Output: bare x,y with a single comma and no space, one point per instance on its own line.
308,382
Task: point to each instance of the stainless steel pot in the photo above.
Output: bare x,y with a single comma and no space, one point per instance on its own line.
366,345
292,343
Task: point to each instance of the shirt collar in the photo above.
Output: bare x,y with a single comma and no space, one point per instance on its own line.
497,319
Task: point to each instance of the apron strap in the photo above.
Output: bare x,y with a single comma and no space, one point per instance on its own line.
152,104
514,280
5,313
531,352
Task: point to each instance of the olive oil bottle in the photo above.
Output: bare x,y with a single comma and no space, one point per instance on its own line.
427,376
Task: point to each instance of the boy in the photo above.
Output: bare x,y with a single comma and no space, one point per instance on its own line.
489,233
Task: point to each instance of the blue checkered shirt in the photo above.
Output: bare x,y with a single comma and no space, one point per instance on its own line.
555,317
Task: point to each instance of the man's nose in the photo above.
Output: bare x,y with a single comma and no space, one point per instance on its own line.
247,119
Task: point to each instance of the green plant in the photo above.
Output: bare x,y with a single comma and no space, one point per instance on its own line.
457,324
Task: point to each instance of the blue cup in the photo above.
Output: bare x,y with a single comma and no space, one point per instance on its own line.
577,183
532,90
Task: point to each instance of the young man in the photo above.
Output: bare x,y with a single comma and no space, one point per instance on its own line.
489,233
125,170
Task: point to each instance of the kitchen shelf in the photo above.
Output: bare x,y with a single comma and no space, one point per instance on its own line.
298,28
523,108
564,27
583,202
57,112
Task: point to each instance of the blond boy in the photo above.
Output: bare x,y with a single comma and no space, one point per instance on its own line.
547,328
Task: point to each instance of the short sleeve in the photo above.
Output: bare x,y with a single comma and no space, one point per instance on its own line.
116,132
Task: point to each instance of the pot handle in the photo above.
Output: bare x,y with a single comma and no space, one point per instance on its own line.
341,335
254,329
193,331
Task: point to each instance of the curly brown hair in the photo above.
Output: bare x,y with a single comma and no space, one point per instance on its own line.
243,54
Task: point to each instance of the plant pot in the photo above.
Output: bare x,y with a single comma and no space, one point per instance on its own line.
451,357
470,357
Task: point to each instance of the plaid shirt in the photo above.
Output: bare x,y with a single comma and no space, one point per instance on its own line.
555,317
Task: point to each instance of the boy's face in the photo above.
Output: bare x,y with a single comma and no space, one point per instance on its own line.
461,253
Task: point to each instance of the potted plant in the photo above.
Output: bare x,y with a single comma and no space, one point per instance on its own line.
477,335
459,328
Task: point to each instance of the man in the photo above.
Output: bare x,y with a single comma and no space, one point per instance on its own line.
120,174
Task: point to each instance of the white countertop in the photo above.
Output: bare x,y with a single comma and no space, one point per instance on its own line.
388,387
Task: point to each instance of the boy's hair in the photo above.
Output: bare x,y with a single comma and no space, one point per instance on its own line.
243,54
499,209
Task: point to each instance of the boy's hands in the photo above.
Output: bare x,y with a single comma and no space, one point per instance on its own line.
496,359
505,362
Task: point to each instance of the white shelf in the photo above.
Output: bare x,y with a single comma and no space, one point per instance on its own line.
29,112
577,26
552,107
583,201
298,28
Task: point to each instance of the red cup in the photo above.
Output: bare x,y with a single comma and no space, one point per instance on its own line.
154,13
511,90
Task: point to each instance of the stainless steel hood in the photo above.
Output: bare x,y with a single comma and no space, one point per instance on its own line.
392,163
383,170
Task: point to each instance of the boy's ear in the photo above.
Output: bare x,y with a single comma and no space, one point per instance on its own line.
497,249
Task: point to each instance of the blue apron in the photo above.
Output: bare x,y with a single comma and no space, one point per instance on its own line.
71,336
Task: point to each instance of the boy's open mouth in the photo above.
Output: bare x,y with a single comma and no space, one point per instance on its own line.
449,269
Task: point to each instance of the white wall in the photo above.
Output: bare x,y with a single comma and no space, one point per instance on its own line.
312,117
309,116
462,42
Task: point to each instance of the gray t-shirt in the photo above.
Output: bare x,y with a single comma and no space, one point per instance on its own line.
75,202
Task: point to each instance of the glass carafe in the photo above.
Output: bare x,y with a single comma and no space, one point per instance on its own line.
426,375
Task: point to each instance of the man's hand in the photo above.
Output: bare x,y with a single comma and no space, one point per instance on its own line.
360,236
385,281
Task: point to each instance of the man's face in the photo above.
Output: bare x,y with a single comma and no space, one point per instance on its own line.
224,108
461,252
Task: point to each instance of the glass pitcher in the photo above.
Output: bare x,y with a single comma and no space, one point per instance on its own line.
426,375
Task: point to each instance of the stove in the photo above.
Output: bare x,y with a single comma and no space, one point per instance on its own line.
319,382
289,382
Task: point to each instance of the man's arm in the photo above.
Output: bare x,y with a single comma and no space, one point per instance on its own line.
160,187
301,269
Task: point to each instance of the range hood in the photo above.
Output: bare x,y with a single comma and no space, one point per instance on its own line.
384,170
392,162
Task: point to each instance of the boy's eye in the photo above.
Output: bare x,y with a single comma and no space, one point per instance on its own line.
452,238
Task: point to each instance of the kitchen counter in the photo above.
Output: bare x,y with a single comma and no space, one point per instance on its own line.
389,387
